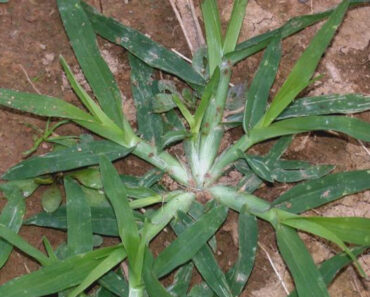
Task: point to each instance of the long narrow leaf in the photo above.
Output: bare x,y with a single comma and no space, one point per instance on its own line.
116,192
84,44
103,220
207,94
80,237
310,226
150,125
318,105
302,72
42,105
14,239
315,193
350,126
81,155
294,25
160,219
330,268
205,261
11,217
57,277
142,47
259,90
190,241
106,265
349,229
326,104
234,26
307,278
239,274
213,34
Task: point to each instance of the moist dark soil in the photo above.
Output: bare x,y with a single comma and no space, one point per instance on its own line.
32,38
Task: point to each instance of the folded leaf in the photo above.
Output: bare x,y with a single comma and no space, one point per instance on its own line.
172,137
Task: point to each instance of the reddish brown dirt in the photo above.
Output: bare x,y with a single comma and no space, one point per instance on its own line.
32,36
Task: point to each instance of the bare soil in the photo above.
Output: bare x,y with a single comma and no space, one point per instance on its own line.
32,38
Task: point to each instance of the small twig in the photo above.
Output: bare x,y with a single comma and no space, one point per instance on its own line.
179,19
231,112
181,55
361,143
29,80
274,268
26,267
363,146
356,287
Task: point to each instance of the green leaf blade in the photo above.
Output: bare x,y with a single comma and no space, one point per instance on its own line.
307,278
80,236
142,47
12,218
259,90
234,26
248,235
326,104
303,70
81,155
213,34
315,193
150,124
57,277
205,261
188,243
351,126
41,105
84,44
116,192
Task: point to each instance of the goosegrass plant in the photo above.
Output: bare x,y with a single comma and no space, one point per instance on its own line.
101,202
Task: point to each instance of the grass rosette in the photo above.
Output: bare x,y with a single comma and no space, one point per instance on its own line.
101,202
